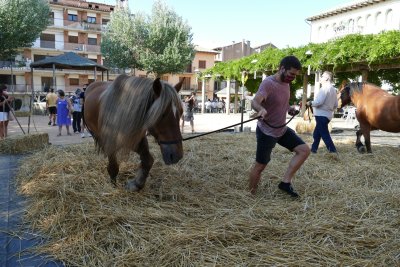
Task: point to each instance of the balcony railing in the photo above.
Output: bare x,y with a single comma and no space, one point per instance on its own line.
67,46
76,25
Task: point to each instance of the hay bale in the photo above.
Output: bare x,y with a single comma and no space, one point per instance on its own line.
303,127
199,212
19,113
24,143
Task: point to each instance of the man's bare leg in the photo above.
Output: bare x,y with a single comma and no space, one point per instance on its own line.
255,176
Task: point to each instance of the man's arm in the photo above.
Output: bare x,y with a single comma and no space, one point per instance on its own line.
256,105
319,100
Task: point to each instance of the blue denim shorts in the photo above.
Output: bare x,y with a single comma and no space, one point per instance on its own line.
266,143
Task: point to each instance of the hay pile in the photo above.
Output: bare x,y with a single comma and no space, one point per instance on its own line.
306,126
199,212
24,143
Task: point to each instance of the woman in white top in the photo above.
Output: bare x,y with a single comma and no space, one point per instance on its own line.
323,106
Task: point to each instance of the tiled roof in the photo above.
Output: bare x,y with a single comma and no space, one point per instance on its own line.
345,8
203,49
84,5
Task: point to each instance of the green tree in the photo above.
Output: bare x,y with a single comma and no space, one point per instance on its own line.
21,22
122,40
159,44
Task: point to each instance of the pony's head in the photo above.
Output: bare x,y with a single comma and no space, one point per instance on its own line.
344,96
132,106
165,128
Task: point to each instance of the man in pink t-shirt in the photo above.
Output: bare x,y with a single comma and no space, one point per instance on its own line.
272,103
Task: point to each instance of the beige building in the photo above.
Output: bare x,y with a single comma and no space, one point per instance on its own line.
204,58
238,50
75,26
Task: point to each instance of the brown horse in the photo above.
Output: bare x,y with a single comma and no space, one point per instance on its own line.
120,113
376,109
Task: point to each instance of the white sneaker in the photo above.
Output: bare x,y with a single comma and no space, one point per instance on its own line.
83,135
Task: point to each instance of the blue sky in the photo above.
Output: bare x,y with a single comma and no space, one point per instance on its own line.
220,22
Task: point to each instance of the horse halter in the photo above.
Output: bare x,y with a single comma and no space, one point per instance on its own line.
173,142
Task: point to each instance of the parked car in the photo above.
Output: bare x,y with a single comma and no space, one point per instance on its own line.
39,105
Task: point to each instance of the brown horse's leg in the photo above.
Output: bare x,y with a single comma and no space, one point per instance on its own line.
113,169
367,137
146,162
359,145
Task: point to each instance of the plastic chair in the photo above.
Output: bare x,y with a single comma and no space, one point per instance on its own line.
351,115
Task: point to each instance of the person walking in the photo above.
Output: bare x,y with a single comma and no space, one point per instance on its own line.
5,101
51,105
272,104
77,111
64,112
188,106
323,106
82,100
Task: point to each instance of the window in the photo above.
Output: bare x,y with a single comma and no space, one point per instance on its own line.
188,68
105,21
47,40
360,25
91,19
92,41
72,17
93,59
379,22
46,82
38,57
73,81
320,33
351,26
202,64
186,83
369,24
73,39
51,18
7,79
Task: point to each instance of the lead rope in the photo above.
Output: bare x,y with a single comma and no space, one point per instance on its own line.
255,118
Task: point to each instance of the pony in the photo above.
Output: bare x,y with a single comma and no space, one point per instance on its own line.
120,115
375,109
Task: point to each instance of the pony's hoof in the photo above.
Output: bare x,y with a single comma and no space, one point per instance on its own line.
132,186
361,149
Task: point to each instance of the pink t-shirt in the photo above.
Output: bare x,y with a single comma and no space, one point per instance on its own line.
276,104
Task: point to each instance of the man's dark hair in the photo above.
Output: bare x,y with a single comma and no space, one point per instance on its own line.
52,90
290,62
3,87
61,93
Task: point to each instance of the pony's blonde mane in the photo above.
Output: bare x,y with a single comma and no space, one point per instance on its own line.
128,108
